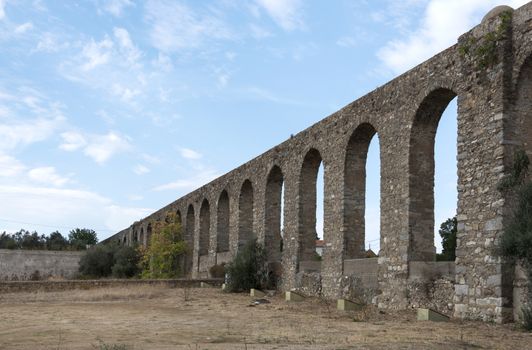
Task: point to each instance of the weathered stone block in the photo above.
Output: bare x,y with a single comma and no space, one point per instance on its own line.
294,297
431,315
347,305
256,293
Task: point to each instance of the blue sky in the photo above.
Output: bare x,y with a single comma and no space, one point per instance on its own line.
111,109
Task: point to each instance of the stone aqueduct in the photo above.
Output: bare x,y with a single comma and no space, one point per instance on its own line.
490,71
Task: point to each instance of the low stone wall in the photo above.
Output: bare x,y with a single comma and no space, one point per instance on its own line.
24,265
437,295
50,286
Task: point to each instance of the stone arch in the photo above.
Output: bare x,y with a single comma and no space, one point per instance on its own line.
307,205
355,190
141,236
190,227
523,107
245,213
421,173
148,234
222,225
205,225
178,218
272,224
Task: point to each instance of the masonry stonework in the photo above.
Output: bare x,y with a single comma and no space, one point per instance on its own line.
489,70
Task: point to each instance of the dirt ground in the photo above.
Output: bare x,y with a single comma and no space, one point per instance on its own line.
164,318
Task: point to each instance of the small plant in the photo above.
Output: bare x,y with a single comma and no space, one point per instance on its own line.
527,317
248,269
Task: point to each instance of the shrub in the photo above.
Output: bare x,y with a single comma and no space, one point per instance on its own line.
248,269
527,317
126,262
98,261
217,271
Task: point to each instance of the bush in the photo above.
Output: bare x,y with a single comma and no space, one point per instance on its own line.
98,261
81,238
126,262
248,269
217,271
527,317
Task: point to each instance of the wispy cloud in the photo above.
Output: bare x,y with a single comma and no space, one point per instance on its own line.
175,26
116,7
189,184
2,9
47,175
140,169
442,22
96,53
286,13
98,147
188,153
9,166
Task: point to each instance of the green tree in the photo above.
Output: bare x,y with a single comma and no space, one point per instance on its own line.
164,257
7,241
31,241
56,241
80,238
448,235
248,269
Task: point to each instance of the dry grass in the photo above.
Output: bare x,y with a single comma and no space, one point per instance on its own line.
91,295
144,317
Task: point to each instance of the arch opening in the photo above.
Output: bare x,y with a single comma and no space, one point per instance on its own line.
523,108
222,226
245,214
432,156
190,227
362,193
307,203
273,240
205,224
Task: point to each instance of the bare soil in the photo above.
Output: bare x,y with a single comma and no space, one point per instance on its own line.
163,318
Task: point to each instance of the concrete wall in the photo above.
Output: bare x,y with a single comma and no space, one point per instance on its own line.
23,265
489,70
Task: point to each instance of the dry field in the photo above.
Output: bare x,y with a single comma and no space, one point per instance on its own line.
163,318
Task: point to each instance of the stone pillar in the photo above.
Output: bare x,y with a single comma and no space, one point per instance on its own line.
481,290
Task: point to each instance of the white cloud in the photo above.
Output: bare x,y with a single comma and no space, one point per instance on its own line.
124,93
22,133
174,26
286,13
48,42
443,21
346,41
47,176
102,147
116,7
57,208
190,154
189,184
126,46
140,169
23,28
9,166
72,141
96,146
96,53
2,9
